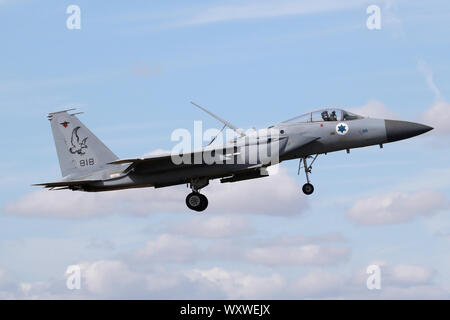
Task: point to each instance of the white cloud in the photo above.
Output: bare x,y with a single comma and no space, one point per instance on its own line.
438,116
317,282
238,285
105,277
309,254
395,207
63,204
399,281
214,227
167,248
266,9
301,239
374,109
8,287
405,274
422,292
428,74
295,250
274,195
117,279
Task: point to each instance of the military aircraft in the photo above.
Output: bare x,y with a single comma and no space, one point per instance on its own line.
88,165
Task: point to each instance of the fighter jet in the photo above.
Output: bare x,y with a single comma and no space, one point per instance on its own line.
88,165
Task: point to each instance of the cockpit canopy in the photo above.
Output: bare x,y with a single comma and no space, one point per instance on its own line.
330,114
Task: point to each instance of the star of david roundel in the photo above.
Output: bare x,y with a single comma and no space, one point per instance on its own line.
342,128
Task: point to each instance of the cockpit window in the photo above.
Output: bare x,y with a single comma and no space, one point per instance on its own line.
350,116
325,115
303,118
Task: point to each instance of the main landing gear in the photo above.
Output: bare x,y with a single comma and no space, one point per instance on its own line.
307,188
195,200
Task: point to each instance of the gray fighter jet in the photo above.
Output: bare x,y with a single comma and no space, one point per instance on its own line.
88,165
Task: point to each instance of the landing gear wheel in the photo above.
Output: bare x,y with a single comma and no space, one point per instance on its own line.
308,188
204,203
196,201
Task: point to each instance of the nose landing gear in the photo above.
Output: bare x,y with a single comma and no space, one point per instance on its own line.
307,188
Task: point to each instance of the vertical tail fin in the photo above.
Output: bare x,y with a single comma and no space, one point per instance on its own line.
79,151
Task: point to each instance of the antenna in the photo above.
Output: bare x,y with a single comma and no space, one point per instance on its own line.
226,123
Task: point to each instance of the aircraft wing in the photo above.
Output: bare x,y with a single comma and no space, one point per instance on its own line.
164,161
58,184
142,159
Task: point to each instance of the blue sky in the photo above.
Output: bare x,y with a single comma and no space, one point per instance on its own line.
132,69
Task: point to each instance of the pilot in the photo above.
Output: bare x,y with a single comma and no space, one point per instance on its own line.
333,116
325,116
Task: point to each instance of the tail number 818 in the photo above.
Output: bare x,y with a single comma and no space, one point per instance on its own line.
87,162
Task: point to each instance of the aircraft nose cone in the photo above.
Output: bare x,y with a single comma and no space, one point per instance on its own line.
399,130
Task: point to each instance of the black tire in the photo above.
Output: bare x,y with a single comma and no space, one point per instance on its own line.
196,201
204,203
308,188
193,201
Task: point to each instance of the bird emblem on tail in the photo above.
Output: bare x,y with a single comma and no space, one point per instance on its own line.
77,145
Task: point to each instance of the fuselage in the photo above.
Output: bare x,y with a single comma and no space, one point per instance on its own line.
329,136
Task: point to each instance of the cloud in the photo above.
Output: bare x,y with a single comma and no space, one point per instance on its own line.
375,109
64,204
295,250
405,274
299,250
391,19
309,254
103,276
214,227
396,207
274,195
118,279
428,74
266,9
238,285
398,281
438,116
317,282
167,248
301,239
423,292
8,287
